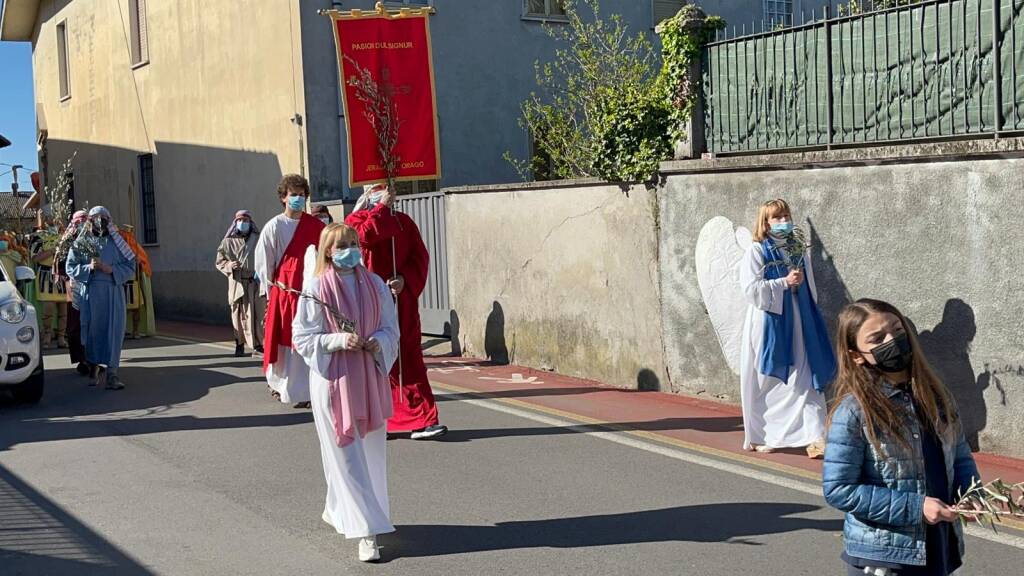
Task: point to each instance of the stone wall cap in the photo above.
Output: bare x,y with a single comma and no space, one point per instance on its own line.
520,186
945,151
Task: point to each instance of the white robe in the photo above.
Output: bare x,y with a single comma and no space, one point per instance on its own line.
357,483
775,413
289,376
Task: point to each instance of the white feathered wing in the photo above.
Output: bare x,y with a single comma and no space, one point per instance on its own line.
720,248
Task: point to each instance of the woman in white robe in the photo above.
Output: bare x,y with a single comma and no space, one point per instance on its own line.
349,387
790,412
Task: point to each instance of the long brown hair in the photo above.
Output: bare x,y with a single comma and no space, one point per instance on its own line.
880,413
769,209
330,236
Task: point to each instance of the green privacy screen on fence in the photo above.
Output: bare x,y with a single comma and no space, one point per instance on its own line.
922,71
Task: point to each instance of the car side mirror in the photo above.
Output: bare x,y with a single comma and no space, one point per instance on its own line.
24,273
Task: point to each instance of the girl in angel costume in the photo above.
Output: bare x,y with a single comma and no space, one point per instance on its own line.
786,360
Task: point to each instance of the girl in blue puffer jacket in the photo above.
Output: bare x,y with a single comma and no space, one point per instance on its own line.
896,456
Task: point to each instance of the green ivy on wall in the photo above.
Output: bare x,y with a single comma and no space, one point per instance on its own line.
682,38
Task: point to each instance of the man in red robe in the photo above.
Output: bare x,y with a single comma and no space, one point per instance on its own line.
393,249
279,260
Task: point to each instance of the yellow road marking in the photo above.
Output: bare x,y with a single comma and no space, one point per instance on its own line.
653,436
1008,523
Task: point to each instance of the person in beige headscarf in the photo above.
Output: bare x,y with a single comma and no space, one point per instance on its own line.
236,261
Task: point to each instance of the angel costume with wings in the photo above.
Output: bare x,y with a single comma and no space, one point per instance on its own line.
783,402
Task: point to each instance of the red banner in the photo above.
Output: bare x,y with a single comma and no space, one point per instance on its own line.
395,51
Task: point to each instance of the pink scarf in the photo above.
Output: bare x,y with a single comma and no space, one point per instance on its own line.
360,396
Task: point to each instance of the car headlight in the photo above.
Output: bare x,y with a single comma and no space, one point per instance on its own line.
13,312
26,334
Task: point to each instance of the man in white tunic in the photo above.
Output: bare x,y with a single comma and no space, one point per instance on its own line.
346,329
786,360
279,266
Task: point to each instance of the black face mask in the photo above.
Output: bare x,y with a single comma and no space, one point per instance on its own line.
894,355
99,227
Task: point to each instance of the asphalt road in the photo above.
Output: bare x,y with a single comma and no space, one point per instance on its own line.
193,470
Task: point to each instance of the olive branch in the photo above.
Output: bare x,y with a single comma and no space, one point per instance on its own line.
795,248
990,503
344,323
58,197
793,251
381,112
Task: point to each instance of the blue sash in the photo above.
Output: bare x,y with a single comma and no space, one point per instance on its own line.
777,343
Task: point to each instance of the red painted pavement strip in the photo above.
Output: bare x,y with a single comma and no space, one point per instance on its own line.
692,420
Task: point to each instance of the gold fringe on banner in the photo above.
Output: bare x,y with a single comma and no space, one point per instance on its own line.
378,12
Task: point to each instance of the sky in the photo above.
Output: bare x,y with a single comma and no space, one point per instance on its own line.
17,113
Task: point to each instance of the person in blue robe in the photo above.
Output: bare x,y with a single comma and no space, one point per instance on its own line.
100,262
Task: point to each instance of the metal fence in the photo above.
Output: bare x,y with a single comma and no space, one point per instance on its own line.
936,69
428,211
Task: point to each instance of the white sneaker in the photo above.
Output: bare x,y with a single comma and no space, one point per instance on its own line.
368,549
429,432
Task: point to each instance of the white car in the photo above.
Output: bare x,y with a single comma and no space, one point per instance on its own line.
21,358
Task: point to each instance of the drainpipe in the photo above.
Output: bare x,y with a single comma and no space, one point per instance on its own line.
297,120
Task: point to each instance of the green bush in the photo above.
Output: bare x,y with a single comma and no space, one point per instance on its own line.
605,107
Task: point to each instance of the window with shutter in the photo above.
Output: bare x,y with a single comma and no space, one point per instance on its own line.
148,199
664,9
63,74
139,31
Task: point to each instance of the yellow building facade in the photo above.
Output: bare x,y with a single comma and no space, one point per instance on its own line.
177,114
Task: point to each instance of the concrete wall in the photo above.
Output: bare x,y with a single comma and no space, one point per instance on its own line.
484,55
940,240
559,278
213,105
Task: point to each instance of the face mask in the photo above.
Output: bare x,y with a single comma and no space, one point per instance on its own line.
325,219
3,245
374,199
347,258
894,355
296,203
783,228
243,227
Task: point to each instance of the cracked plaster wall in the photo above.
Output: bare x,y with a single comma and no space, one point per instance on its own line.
940,240
562,279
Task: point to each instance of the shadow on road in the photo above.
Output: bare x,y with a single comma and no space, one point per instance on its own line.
734,522
38,537
723,424
71,409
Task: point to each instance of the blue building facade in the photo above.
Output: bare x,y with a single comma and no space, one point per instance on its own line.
484,55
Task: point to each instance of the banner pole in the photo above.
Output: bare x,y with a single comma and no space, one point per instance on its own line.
378,11
398,319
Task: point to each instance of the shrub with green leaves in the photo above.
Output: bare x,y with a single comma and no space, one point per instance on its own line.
605,106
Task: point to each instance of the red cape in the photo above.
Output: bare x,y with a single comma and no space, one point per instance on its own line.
281,305
413,401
